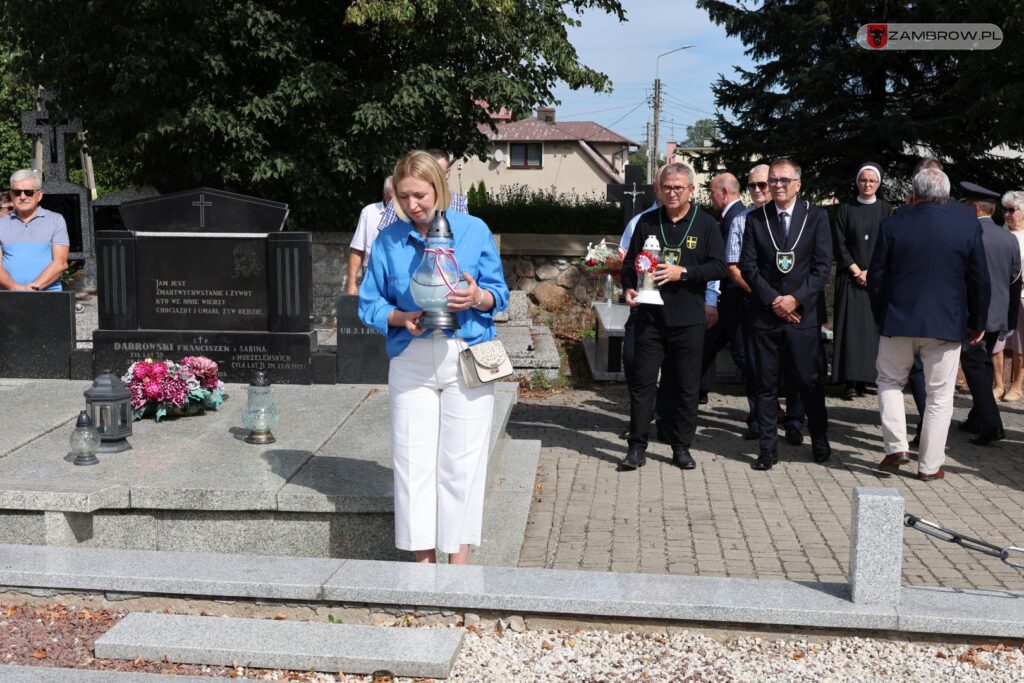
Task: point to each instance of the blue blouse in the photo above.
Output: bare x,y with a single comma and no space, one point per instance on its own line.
396,254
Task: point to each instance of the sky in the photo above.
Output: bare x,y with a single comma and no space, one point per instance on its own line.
628,52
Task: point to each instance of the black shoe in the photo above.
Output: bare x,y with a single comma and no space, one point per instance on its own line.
635,457
794,435
969,427
916,441
849,393
985,438
624,435
820,450
861,389
702,399
765,460
682,459
751,433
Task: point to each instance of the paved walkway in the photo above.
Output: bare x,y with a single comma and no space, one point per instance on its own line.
724,519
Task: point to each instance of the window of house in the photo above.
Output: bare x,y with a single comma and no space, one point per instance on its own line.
525,155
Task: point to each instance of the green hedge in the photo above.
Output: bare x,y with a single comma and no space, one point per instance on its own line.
521,209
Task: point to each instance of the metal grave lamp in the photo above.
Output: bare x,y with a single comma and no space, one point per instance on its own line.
84,441
260,415
109,405
436,277
646,264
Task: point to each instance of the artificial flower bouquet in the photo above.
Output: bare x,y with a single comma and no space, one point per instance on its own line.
604,258
163,388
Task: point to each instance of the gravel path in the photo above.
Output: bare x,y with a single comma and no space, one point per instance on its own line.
54,635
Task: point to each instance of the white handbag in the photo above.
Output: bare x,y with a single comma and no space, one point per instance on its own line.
483,363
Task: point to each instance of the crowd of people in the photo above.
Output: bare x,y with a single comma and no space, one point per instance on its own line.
921,290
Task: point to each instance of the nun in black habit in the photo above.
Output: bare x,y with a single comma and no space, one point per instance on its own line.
855,339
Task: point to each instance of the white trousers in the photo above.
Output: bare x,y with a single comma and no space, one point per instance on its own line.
895,359
440,432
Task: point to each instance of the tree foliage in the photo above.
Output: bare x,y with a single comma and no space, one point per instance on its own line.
15,97
817,96
701,130
305,102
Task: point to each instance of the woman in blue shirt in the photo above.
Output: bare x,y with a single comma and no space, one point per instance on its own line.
440,428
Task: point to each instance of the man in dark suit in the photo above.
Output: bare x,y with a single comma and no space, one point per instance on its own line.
1002,254
929,288
786,259
725,197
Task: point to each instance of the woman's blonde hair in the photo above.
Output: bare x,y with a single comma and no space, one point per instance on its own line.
421,165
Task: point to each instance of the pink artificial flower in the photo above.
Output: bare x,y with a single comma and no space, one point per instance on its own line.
138,396
158,370
176,391
201,366
141,370
153,390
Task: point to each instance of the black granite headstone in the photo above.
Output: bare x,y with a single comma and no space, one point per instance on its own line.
204,210
634,195
37,334
70,207
361,355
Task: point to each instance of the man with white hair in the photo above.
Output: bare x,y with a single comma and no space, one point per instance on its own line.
34,242
929,286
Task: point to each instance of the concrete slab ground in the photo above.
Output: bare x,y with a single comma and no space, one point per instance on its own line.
724,519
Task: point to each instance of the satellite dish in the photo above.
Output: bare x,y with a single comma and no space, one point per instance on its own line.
499,156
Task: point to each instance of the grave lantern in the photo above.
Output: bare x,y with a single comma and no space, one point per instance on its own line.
109,404
436,277
260,415
84,441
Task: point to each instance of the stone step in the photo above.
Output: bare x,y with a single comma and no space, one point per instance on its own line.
265,643
12,673
513,475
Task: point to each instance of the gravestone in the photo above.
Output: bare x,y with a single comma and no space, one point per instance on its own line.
106,211
205,273
70,200
37,334
634,195
361,355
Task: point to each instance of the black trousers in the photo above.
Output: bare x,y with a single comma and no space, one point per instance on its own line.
797,352
729,330
654,342
976,361
666,403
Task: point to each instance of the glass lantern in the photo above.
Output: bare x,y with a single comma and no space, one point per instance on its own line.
437,276
260,415
109,405
646,263
85,440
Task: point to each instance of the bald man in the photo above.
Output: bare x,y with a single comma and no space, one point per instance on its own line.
725,197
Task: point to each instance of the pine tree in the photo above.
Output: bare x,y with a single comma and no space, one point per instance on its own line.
817,96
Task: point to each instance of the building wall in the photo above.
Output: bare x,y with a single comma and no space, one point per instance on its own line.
564,167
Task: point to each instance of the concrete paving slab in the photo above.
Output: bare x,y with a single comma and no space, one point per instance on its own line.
265,643
12,673
66,495
32,407
167,573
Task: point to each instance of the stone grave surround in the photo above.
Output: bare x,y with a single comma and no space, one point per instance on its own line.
37,334
239,297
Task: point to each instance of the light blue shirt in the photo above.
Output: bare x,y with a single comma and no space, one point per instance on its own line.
28,247
712,289
734,243
396,255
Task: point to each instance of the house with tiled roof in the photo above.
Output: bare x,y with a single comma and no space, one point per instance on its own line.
578,157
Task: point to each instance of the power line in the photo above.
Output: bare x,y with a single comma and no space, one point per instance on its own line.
601,111
626,114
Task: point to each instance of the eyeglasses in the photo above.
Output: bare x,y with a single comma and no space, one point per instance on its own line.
757,186
1007,209
675,189
27,193
782,181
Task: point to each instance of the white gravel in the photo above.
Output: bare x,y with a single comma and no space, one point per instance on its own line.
600,656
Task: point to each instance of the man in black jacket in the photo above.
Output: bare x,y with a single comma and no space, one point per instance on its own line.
692,253
786,259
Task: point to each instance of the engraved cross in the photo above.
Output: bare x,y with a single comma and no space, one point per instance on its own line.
202,204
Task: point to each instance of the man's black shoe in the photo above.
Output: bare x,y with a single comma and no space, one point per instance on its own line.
635,457
765,460
820,450
916,441
969,427
682,459
794,435
985,438
703,398
751,433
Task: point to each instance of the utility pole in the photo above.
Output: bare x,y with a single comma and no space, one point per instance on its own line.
647,141
657,105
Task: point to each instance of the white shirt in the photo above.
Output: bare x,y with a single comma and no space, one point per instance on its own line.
366,228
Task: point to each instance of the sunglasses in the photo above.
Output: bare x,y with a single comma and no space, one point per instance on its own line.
757,186
1009,210
27,193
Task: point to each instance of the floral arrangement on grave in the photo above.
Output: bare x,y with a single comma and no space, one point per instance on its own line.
163,388
603,259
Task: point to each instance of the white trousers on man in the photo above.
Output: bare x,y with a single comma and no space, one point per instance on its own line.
895,359
440,433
